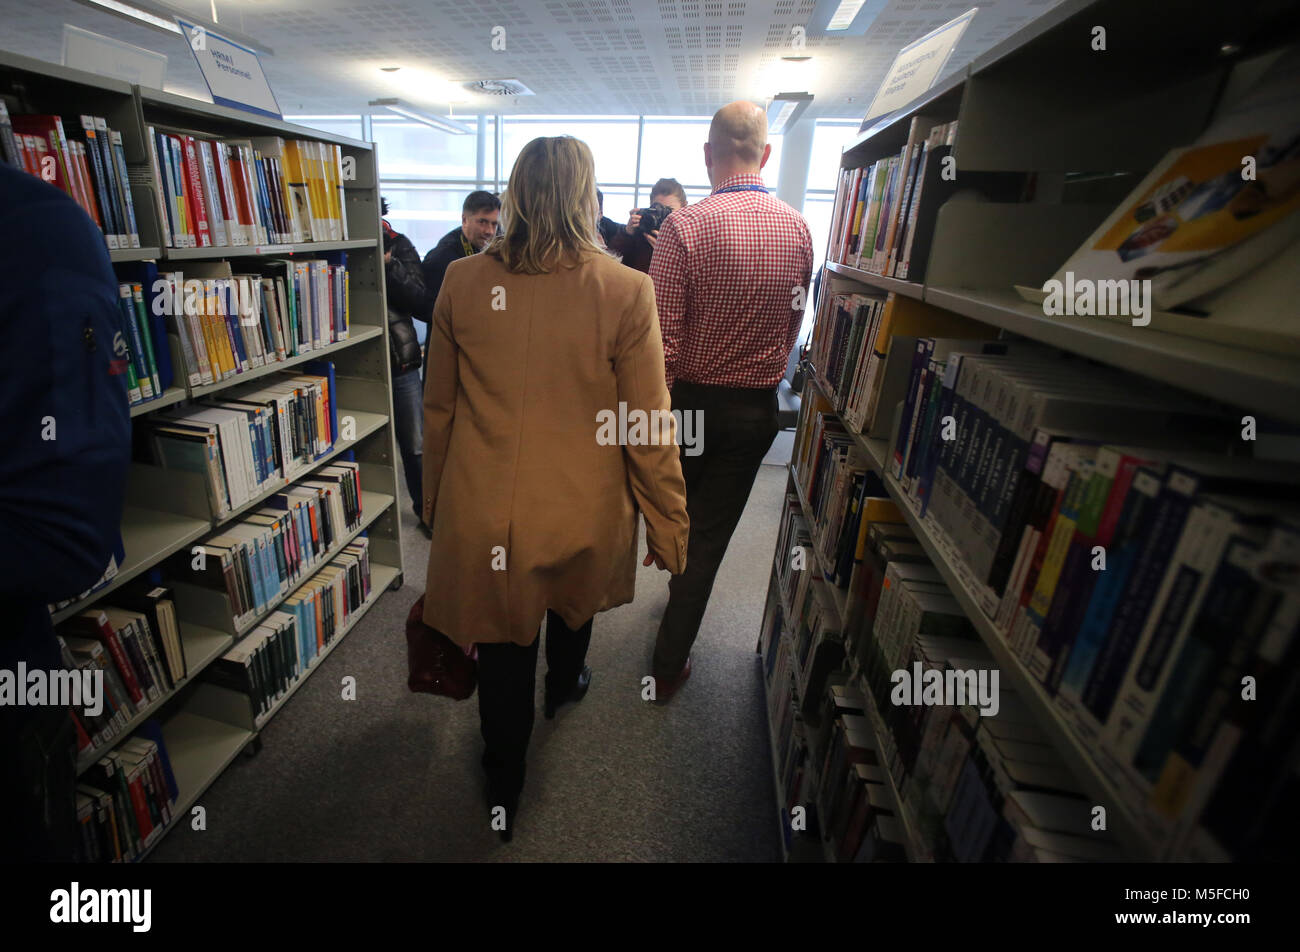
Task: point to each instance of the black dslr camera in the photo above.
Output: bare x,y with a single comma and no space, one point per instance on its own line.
652,218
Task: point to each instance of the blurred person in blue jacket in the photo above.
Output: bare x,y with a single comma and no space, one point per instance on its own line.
67,438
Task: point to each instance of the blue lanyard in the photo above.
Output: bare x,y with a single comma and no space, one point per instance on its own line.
741,188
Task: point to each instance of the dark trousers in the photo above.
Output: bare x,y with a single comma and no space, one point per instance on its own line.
738,428
507,676
408,426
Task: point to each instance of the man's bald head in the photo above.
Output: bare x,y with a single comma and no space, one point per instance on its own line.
738,135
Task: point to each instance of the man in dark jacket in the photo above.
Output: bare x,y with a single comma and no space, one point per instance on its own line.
406,304
607,227
478,226
62,481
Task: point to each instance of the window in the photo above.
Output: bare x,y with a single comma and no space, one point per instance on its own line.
829,140
612,140
424,213
674,148
349,126
413,150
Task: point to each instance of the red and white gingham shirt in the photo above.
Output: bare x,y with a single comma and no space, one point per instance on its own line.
731,277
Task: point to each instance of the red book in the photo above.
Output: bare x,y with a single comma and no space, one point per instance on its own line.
194,189
222,175
143,821
30,156
83,739
94,624
242,203
48,130
85,184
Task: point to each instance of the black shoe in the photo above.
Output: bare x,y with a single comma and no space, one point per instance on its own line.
576,694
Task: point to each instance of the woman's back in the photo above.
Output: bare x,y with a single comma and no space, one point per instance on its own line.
530,509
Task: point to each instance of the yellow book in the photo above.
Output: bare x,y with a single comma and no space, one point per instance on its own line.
203,305
335,155
879,509
319,197
296,181
1062,532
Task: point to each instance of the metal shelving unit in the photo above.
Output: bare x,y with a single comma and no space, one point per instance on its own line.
168,510
1042,102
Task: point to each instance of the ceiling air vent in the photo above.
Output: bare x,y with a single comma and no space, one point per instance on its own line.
498,87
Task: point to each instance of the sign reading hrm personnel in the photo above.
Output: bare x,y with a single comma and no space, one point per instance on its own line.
233,72
917,66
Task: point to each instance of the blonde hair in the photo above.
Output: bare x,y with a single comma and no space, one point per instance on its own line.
549,208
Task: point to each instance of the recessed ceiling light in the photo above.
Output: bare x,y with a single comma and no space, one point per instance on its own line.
843,16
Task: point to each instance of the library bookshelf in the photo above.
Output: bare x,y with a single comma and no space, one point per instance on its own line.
1044,103
205,727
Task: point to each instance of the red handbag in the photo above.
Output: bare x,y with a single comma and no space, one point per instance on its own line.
437,665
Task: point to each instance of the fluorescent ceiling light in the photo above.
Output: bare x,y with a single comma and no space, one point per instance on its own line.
160,16
136,13
410,112
784,110
843,16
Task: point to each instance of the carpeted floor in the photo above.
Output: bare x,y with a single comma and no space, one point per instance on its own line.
394,776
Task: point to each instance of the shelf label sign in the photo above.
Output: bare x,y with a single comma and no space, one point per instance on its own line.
917,66
233,72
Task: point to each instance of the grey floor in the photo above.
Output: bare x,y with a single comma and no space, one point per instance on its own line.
394,776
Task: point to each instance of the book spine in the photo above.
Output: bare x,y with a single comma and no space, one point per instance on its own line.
160,194
100,179
194,190
146,336
1167,523
123,183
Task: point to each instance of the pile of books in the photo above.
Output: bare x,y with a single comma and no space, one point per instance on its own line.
274,656
125,800
1107,561
146,356
861,352
245,445
239,192
84,158
263,556
136,643
878,207
229,324
857,813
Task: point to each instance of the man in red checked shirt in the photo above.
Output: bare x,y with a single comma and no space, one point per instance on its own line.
731,276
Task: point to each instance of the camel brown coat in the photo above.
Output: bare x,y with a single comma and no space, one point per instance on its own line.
528,510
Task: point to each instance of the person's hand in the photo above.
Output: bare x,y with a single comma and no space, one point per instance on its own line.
658,562
632,221
388,256
652,236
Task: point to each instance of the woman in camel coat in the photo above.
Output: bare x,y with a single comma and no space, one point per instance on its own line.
533,342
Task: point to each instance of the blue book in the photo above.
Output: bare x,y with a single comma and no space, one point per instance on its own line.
153,730
325,368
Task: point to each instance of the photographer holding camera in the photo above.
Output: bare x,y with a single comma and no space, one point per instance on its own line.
636,241
406,304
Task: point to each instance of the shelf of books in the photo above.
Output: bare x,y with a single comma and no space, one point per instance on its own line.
1042,462
261,519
